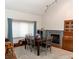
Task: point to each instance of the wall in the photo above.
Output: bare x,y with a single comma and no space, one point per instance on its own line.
54,18
16,15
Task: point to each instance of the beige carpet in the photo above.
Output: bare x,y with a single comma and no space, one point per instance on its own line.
56,53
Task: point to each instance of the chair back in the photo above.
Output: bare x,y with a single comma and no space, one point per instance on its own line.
49,41
8,45
29,39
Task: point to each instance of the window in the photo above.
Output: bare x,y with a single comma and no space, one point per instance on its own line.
20,29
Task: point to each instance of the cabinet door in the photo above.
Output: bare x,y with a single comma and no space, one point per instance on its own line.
68,43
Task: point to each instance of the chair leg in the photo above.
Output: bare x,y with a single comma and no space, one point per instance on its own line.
46,50
31,48
12,51
25,47
50,49
6,52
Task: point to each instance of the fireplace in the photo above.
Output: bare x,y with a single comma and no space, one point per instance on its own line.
56,35
55,38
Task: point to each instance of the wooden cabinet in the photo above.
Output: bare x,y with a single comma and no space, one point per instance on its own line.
68,35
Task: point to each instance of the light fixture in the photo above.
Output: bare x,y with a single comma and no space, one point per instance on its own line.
49,5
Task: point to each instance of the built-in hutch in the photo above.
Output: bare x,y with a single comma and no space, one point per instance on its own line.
68,35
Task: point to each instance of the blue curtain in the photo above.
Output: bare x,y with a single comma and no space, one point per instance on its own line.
34,28
10,36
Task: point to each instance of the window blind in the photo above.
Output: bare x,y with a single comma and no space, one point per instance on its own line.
20,29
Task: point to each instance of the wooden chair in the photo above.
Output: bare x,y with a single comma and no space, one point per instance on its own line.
9,48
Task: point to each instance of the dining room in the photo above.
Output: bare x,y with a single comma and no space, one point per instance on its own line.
39,29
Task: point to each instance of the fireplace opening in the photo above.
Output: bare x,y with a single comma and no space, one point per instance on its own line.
55,38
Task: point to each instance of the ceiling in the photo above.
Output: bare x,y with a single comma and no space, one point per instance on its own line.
31,6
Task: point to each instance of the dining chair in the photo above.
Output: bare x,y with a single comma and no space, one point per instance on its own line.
46,44
30,42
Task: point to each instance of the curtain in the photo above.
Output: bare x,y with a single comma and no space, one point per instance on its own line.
10,29
34,28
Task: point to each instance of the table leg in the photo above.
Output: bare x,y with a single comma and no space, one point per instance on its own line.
38,51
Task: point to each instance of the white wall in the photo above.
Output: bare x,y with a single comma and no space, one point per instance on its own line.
21,16
56,14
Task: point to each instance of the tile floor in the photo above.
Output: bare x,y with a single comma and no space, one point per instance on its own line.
56,53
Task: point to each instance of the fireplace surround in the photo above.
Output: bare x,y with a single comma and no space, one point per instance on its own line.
57,37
